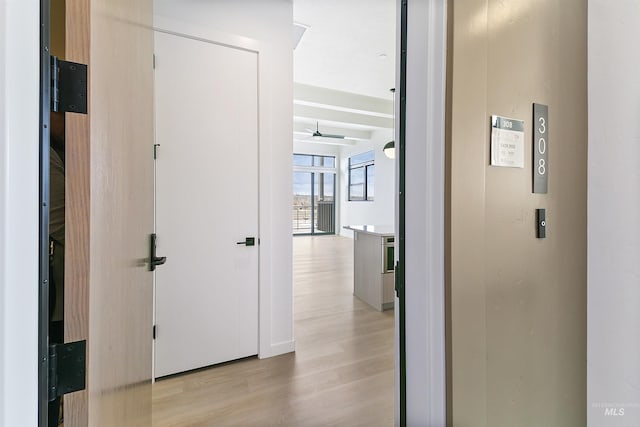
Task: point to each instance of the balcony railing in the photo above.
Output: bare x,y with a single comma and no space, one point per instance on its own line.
323,218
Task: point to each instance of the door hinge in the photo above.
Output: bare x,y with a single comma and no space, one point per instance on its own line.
155,151
154,332
67,368
154,61
68,86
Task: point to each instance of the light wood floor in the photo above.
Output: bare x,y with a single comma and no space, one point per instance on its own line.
340,375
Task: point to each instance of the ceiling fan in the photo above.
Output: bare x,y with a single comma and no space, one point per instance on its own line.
317,133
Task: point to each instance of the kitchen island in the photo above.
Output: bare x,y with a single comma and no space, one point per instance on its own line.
373,264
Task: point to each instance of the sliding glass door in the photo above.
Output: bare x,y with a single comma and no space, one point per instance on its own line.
302,197
314,187
324,202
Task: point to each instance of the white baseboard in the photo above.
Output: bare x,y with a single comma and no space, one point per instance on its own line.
279,348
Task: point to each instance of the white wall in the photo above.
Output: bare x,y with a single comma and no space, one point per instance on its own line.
614,213
424,259
269,22
19,118
380,211
3,205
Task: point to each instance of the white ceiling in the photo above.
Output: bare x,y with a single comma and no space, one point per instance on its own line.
341,49
348,47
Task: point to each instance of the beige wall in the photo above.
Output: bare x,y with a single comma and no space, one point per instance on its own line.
517,304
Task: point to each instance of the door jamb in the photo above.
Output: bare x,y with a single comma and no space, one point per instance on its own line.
425,192
43,207
401,200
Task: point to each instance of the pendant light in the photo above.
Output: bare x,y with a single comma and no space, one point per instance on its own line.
390,147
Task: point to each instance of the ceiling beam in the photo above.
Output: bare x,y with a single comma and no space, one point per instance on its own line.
327,141
315,96
301,128
341,117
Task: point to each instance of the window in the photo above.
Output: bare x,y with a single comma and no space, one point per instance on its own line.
314,185
361,176
308,160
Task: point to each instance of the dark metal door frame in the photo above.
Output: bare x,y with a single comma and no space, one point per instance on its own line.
400,268
43,207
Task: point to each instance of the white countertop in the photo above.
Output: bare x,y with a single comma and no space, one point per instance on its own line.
377,230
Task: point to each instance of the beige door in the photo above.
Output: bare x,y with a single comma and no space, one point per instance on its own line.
109,167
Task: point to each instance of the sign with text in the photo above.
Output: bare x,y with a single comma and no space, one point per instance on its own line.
507,142
540,148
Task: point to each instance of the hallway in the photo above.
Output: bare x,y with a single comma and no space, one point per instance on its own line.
341,373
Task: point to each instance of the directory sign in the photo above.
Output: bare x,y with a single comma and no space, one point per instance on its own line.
507,142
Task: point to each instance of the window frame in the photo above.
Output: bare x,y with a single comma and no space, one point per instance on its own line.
365,165
315,171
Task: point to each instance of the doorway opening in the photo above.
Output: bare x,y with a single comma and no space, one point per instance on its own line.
344,68
344,348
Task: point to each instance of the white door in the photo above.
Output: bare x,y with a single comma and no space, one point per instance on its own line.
206,203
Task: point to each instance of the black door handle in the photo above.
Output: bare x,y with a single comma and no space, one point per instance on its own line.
249,241
154,260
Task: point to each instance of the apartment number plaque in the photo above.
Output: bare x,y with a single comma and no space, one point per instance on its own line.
507,142
540,148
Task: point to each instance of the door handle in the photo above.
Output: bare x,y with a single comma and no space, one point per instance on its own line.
155,260
248,241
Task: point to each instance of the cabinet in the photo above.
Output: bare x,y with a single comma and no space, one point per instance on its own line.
373,273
